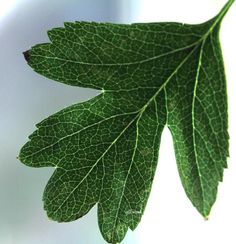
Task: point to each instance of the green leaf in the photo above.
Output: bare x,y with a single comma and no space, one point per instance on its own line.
105,150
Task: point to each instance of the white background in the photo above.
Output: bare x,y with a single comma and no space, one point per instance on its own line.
26,98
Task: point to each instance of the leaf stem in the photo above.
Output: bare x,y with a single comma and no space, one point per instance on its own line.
224,10
219,17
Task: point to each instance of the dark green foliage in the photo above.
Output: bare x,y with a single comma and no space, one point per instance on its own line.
105,150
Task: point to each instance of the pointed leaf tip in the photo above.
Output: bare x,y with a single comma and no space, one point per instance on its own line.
26,55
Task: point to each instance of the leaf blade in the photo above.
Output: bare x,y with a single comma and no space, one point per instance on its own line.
105,150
